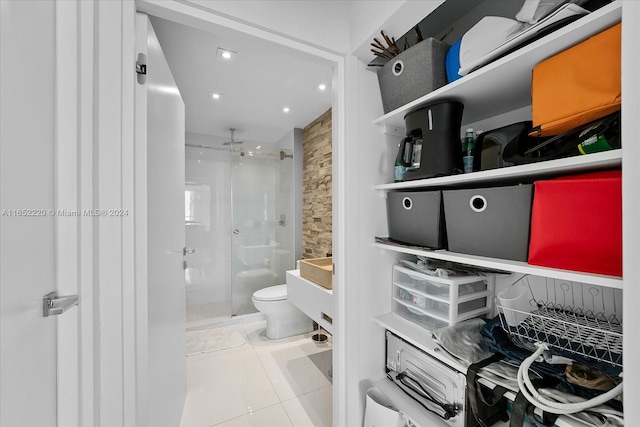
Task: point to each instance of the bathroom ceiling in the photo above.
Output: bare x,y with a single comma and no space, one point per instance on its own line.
261,79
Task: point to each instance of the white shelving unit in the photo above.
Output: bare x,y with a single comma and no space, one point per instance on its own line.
503,85
578,164
499,87
508,266
493,90
493,94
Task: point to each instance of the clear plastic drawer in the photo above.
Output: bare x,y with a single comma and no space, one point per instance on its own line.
418,316
438,286
424,299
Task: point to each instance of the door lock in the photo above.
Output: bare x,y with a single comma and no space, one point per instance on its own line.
53,305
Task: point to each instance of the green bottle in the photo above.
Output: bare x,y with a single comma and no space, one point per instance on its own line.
399,168
468,143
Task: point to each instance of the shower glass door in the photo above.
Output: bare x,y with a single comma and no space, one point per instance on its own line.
262,240
207,232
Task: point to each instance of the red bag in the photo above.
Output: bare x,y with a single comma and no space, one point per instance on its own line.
576,223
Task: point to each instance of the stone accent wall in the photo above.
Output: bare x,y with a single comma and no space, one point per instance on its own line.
316,188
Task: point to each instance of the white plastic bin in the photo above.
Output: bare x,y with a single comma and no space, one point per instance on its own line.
379,411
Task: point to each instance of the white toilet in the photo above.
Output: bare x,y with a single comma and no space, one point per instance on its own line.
283,318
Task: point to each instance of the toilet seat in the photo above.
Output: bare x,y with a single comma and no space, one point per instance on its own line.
272,293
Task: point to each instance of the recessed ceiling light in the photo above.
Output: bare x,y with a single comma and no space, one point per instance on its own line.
225,54
215,95
321,86
285,109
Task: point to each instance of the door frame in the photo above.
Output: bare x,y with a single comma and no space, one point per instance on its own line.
95,253
75,189
120,250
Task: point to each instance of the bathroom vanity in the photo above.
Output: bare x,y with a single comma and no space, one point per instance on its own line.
312,299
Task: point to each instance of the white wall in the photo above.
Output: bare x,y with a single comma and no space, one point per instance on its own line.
394,17
292,141
370,269
321,23
297,190
284,256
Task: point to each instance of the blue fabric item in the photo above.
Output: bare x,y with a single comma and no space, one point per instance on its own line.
498,341
452,62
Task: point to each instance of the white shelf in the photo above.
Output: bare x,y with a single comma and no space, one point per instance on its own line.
540,170
509,266
419,337
510,75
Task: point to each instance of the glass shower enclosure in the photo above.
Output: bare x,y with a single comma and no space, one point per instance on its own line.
239,219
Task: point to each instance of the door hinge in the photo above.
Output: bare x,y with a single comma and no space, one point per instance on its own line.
141,68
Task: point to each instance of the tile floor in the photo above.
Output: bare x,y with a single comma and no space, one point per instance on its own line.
263,383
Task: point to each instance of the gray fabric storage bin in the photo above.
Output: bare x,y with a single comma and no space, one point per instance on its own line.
416,218
491,222
413,73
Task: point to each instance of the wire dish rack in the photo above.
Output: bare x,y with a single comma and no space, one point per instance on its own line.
574,317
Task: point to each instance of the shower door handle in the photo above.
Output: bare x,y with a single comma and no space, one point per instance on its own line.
186,251
236,231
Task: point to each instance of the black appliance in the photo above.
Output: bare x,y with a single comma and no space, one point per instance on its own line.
435,129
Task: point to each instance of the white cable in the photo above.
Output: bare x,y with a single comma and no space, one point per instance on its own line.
531,394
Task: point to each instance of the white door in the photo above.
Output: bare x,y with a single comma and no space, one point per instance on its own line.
27,229
165,178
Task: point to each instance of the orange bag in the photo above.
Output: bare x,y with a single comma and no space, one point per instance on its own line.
577,85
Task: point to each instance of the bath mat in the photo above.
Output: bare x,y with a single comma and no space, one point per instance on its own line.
210,340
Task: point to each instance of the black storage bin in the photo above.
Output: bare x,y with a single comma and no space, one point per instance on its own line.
491,222
417,218
413,74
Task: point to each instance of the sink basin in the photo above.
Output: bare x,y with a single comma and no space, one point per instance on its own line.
318,270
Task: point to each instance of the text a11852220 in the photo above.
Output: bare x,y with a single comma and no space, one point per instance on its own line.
28,212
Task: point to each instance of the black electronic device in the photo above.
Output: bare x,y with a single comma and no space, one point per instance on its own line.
433,136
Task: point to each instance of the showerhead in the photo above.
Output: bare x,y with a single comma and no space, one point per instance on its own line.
233,141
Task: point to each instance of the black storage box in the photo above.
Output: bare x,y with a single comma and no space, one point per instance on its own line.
413,74
491,222
417,218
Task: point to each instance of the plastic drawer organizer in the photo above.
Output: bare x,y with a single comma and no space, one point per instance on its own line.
434,302
574,317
